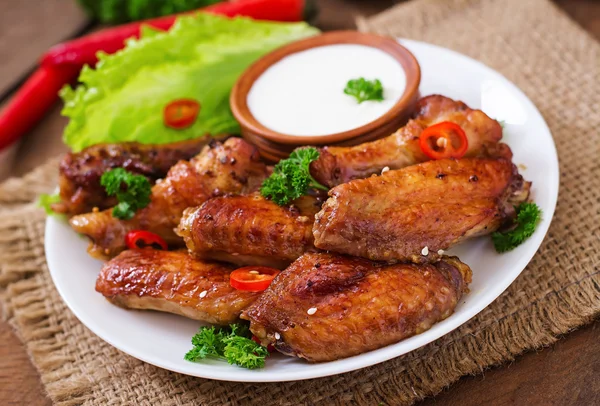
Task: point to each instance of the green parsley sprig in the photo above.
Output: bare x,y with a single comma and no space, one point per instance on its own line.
291,177
364,90
132,191
232,344
528,217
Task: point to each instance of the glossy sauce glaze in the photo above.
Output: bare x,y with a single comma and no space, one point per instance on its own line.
303,93
328,306
174,282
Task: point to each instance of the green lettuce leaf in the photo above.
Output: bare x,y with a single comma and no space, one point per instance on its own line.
45,201
201,57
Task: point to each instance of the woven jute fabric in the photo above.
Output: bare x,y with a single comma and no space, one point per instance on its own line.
531,42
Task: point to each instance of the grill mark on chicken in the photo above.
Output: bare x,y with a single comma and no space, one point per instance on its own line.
369,304
173,282
249,230
393,217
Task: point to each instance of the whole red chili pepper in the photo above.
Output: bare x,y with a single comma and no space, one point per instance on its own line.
32,100
83,50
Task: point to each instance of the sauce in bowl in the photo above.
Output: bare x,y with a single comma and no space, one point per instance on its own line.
303,93
294,96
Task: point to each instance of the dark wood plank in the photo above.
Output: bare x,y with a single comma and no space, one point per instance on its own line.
585,12
565,373
340,14
19,381
43,142
30,27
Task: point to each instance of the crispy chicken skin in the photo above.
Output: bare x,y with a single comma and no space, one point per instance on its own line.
337,165
173,282
360,305
80,173
250,230
233,167
436,204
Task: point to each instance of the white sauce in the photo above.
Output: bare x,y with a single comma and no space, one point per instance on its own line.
303,93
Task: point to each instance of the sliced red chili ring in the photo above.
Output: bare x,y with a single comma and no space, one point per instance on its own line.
252,278
138,239
444,140
180,114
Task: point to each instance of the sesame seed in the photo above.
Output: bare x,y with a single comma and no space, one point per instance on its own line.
312,310
384,170
203,293
254,272
277,336
425,251
440,252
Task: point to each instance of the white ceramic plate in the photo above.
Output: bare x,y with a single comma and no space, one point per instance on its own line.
162,339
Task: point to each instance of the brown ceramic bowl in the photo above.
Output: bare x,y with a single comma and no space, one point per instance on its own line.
275,145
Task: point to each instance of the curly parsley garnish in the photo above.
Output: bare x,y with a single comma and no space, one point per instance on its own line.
528,217
232,344
132,191
291,177
364,90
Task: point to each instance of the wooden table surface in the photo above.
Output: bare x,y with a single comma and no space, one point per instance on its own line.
566,373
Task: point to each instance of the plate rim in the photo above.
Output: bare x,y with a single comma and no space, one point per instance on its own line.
383,354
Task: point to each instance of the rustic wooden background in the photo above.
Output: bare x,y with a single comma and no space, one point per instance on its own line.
564,374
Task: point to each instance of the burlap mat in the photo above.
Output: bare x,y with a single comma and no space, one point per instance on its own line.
531,42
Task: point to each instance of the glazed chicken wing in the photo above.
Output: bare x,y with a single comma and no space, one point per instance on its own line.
337,165
80,173
411,213
326,307
250,230
233,167
173,282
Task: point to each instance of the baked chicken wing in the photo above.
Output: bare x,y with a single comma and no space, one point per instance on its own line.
326,306
337,165
250,230
233,167
80,173
412,213
173,282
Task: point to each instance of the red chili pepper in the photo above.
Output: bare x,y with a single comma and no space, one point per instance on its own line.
32,101
444,140
144,239
180,114
270,347
83,50
252,278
